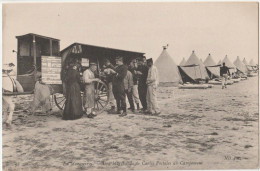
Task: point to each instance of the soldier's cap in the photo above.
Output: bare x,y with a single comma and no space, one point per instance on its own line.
92,63
149,60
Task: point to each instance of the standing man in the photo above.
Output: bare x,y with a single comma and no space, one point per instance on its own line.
89,92
128,82
152,84
224,72
118,86
133,69
109,77
142,87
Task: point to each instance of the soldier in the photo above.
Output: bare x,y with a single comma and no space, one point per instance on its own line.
109,77
152,84
142,87
133,69
118,86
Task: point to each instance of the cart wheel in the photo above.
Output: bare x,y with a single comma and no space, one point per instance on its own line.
60,100
101,96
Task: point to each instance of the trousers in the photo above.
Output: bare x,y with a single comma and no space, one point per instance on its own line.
224,80
142,90
130,99
112,101
135,94
120,100
151,99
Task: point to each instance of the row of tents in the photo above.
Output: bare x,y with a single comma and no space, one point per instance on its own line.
195,70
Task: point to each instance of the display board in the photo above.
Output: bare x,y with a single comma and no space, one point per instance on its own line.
51,70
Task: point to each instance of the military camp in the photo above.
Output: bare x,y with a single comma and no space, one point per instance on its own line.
95,86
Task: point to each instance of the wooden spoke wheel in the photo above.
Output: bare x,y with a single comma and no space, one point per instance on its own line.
59,100
101,96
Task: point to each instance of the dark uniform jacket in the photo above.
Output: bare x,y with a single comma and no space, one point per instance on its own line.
118,79
224,70
142,80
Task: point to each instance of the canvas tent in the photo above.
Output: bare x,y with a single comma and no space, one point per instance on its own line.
212,68
249,68
220,62
240,65
167,69
229,64
252,62
183,62
193,70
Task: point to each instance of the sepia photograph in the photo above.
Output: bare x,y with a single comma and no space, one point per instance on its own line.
130,85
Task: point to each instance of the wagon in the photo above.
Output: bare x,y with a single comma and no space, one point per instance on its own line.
41,56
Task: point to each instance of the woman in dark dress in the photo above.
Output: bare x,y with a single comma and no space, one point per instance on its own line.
73,105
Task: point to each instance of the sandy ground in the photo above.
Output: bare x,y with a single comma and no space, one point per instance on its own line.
197,129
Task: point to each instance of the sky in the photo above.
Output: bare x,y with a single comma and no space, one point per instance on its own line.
218,28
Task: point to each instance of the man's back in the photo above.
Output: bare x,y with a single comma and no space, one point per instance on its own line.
224,70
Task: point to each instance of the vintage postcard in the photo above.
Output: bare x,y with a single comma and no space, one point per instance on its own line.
130,85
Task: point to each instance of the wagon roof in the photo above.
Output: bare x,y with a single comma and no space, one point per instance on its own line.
37,35
100,47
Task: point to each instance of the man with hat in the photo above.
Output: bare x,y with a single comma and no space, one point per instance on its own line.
108,67
142,87
89,92
118,86
152,84
224,72
133,69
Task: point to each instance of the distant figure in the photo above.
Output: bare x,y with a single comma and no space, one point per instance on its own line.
128,82
224,72
89,91
133,69
152,84
142,87
109,77
73,104
118,86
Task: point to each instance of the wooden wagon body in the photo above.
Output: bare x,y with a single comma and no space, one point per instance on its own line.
32,48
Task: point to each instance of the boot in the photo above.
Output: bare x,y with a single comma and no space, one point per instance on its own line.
112,110
137,106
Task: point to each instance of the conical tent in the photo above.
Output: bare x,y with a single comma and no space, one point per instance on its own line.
212,69
252,62
193,68
220,62
249,68
167,68
245,62
240,65
229,64
183,62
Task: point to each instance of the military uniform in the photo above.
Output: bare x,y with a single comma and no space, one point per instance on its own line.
119,88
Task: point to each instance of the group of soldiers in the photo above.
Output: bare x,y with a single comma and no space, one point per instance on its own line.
138,82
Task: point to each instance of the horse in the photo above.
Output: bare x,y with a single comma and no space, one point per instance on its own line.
9,85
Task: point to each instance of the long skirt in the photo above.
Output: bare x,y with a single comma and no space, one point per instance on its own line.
73,105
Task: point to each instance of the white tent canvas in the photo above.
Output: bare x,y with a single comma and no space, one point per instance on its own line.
183,62
240,65
210,64
195,72
252,62
167,69
229,64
